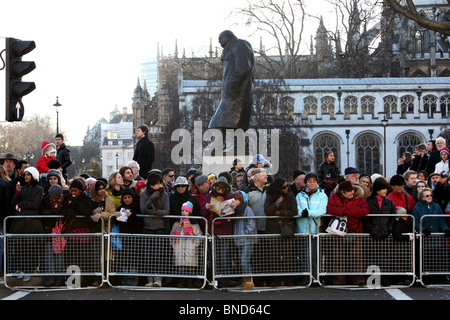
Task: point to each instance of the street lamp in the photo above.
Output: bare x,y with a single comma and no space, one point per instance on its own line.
384,123
57,105
419,94
347,132
339,94
431,131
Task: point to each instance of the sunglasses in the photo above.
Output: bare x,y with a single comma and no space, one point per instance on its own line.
284,187
428,195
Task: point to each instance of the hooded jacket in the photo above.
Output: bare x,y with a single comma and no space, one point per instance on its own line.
354,209
45,158
316,205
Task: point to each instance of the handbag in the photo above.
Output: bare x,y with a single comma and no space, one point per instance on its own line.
287,229
58,242
116,242
338,226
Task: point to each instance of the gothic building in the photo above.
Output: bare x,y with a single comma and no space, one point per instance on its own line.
405,84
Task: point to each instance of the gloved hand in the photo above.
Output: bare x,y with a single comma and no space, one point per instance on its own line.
154,195
447,233
305,213
151,209
426,232
95,217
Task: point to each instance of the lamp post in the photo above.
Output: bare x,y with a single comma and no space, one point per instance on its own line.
339,94
384,123
57,105
431,131
347,132
419,94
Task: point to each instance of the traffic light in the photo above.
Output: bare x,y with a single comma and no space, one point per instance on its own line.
15,69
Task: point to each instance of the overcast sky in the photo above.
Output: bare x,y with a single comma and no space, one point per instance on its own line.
89,53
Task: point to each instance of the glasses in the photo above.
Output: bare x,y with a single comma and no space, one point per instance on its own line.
427,195
181,186
284,187
171,176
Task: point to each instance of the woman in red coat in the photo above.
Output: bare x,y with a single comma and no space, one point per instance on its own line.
349,201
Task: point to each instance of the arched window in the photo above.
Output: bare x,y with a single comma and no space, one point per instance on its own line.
327,103
407,142
445,105
418,43
390,105
310,105
326,142
367,105
368,153
270,105
429,104
350,106
406,105
287,106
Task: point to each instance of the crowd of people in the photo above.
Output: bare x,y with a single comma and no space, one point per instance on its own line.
246,190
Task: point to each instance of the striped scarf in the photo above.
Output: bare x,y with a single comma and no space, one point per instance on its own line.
184,225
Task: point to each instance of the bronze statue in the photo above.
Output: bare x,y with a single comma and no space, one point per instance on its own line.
238,68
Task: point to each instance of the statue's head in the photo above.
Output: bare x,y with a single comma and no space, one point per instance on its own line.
226,36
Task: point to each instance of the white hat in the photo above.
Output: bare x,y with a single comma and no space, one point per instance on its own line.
34,173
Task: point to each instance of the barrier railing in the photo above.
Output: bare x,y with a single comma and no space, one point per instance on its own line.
43,260
191,262
357,260
434,252
158,261
272,261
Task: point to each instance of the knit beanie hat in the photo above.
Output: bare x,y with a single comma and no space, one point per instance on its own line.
378,185
187,206
297,173
400,210
311,175
34,172
77,184
397,180
55,190
444,150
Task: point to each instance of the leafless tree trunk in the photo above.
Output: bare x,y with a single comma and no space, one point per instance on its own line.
409,10
284,22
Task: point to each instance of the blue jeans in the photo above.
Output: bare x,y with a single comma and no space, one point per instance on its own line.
245,253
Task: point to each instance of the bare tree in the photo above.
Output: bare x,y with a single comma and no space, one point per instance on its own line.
409,10
284,22
357,31
24,139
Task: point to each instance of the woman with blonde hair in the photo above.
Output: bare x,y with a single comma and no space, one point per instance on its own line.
115,187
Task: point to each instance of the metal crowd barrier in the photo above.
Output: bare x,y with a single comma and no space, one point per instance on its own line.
434,253
30,261
187,262
357,260
275,263
137,261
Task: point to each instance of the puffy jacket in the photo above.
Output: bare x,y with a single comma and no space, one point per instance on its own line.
316,205
377,226
287,208
354,209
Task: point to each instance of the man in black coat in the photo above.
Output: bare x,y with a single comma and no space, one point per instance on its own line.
144,153
62,154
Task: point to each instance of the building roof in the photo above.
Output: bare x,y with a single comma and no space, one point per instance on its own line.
336,82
